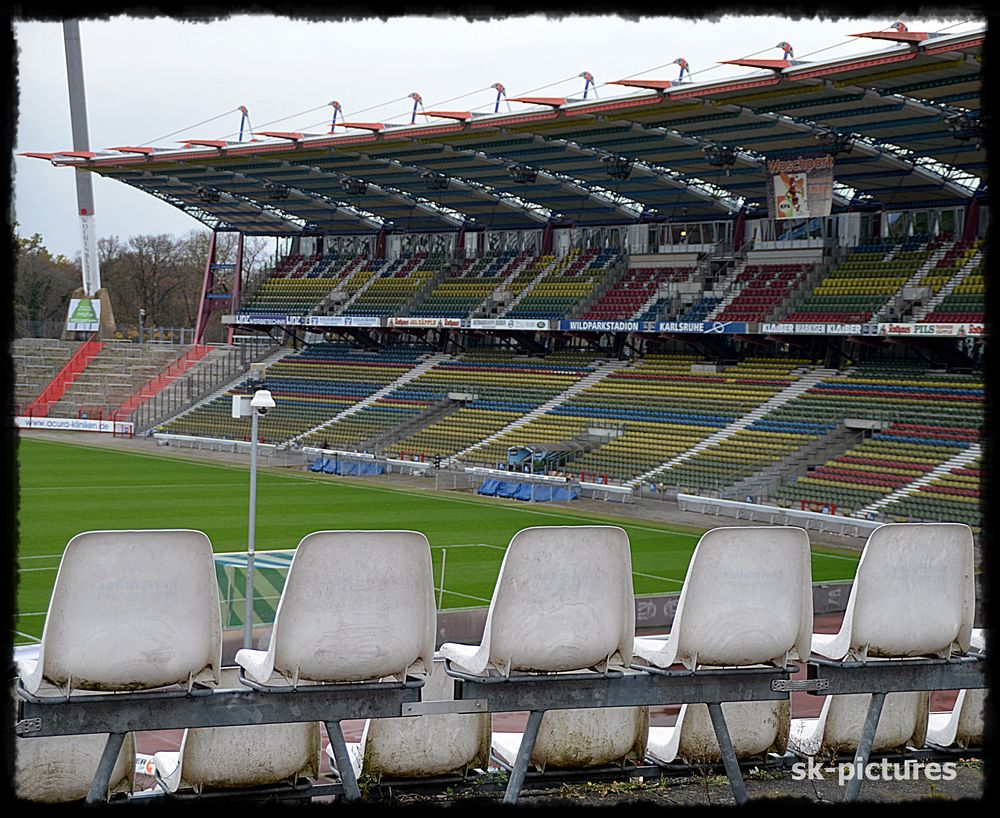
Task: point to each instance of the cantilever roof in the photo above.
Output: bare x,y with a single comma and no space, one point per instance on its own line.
910,110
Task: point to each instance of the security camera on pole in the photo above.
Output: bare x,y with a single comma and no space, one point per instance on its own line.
255,406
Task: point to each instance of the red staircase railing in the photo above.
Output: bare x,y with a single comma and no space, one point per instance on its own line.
57,387
157,383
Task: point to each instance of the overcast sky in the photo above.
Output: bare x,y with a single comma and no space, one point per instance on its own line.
147,78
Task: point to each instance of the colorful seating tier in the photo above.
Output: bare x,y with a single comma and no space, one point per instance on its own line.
506,387
952,497
879,466
862,284
397,284
633,291
568,282
661,409
763,286
728,461
297,287
930,419
900,393
466,288
311,387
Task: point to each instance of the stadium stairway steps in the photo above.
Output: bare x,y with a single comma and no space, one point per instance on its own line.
602,371
948,288
529,287
439,411
731,291
795,389
182,364
37,361
228,385
64,378
920,272
112,376
764,482
484,309
182,392
660,292
960,459
425,290
388,389
357,293
612,276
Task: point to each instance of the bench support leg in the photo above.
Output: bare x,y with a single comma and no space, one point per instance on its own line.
517,773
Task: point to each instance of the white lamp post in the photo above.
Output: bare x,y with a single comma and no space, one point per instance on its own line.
259,405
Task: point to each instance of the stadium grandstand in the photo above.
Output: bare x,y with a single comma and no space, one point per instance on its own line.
752,306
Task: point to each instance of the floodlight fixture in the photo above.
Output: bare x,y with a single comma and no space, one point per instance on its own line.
617,167
522,174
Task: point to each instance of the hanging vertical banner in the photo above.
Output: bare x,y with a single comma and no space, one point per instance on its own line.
88,254
800,187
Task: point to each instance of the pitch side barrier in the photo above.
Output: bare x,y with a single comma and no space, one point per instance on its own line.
776,515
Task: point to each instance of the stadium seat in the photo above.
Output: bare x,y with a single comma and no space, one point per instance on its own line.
60,769
130,610
837,730
913,595
563,601
581,739
356,605
241,757
423,746
746,600
964,725
755,728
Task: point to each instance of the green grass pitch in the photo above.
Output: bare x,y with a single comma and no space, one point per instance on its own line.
67,488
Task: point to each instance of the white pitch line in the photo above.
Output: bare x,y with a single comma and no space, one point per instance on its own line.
654,576
472,545
312,479
128,486
41,557
466,596
31,570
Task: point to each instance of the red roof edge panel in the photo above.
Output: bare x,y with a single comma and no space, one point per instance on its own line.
775,65
656,85
461,115
77,154
365,126
282,134
895,36
211,143
134,149
553,101
39,155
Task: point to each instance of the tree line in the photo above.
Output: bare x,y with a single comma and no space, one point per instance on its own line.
159,273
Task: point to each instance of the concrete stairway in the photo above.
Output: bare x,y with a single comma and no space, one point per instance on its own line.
788,393
405,378
960,459
949,287
113,376
601,372
530,286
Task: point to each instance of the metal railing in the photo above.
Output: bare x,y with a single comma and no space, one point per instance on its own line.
201,381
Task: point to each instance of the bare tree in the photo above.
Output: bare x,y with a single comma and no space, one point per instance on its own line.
44,282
